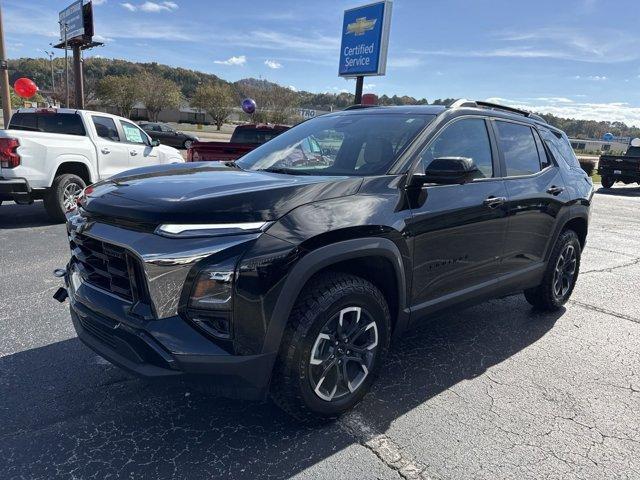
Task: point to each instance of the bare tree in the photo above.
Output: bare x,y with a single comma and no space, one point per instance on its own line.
216,100
157,94
276,104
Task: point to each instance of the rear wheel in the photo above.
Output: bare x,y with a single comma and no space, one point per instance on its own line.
63,195
333,347
560,276
607,182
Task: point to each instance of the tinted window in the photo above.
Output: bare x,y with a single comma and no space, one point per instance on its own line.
344,144
518,148
132,134
67,123
542,154
465,138
246,135
560,147
106,128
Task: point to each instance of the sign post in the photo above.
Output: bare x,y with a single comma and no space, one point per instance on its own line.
76,33
365,38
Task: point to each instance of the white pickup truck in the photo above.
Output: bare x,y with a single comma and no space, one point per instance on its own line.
52,154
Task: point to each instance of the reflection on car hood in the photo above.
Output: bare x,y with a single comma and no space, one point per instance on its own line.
208,192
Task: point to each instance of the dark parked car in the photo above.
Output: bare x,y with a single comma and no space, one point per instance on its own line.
167,135
290,271
621,168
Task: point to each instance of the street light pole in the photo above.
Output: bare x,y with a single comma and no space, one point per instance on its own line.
66,63
53,82
4,78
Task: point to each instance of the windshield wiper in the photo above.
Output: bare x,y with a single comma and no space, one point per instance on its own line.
232,165
286,171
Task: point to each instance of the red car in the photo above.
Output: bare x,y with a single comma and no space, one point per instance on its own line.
244,139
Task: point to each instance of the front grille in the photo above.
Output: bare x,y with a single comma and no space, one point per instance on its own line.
104,265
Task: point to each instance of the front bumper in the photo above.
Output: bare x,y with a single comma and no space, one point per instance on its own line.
168,347
16,189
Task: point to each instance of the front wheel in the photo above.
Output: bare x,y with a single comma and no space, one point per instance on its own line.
187,144
63,195
337,336
560,276
607,182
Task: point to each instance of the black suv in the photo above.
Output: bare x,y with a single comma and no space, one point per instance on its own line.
290,271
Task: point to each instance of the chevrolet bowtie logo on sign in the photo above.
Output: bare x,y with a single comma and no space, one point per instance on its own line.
360,26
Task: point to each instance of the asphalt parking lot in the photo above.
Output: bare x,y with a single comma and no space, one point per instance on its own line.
495,391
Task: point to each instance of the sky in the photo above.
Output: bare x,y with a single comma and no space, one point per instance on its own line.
572,58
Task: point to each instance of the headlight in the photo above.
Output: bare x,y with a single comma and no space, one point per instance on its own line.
212,290
210,229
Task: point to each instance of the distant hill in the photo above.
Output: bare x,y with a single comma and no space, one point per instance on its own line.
39,70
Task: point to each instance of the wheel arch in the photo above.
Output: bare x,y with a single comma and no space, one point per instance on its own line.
577,218
75,166
348,256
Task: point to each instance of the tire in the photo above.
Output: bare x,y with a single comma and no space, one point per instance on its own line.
607,182
187,144
554,291
325,301
56,200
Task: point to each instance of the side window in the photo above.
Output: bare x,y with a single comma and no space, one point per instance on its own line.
518,148
106,128
464,138
560,147
133,134
544,159
165,128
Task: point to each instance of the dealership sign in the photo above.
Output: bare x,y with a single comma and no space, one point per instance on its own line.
365,37
78,19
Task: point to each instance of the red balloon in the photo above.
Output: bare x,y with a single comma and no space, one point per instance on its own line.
25,87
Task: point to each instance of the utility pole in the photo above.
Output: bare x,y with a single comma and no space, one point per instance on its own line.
4,78
78,77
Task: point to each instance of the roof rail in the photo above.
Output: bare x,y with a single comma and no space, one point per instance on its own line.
463,102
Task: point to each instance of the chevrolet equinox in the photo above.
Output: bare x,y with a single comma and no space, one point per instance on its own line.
289,272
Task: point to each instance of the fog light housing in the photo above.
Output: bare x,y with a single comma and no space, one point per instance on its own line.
217,324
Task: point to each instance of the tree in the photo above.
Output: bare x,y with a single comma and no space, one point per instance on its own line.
216,100
120,91
275,103
157,94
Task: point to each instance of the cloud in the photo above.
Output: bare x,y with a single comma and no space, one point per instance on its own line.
151,7
368,86
559,106
272,64
404,62
292,87
103,39
99,2
236,61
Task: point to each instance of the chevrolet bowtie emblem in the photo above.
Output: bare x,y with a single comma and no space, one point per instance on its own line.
360,26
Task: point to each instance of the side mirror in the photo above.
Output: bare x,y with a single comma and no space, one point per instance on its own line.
448,171
155,143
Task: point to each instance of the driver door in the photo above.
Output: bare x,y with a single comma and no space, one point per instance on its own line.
458,230
141,152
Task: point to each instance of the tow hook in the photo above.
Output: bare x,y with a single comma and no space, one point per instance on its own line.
61,294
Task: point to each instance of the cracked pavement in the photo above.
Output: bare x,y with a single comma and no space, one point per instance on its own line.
494,391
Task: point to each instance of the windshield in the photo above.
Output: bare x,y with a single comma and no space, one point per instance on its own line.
359,144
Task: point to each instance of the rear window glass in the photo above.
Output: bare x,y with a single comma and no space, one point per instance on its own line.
254,136
518,148
67,123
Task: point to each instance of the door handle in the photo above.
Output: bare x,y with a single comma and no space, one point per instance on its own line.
133,153
105,151
553,190
494,202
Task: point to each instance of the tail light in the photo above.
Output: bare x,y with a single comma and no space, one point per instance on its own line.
9,157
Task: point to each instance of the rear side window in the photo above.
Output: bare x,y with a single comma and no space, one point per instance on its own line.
560,147
464,138
67,123
246,135
106,128
518,148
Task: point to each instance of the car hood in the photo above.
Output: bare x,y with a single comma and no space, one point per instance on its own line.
208,192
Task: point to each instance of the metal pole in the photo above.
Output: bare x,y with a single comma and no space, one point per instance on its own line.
66,65
53,80
77,75
359,84
4,78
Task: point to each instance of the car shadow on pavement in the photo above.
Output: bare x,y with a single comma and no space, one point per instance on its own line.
620,191
66,413
13,216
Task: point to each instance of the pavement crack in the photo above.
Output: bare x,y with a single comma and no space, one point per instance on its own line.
383,447
605,311
635,261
